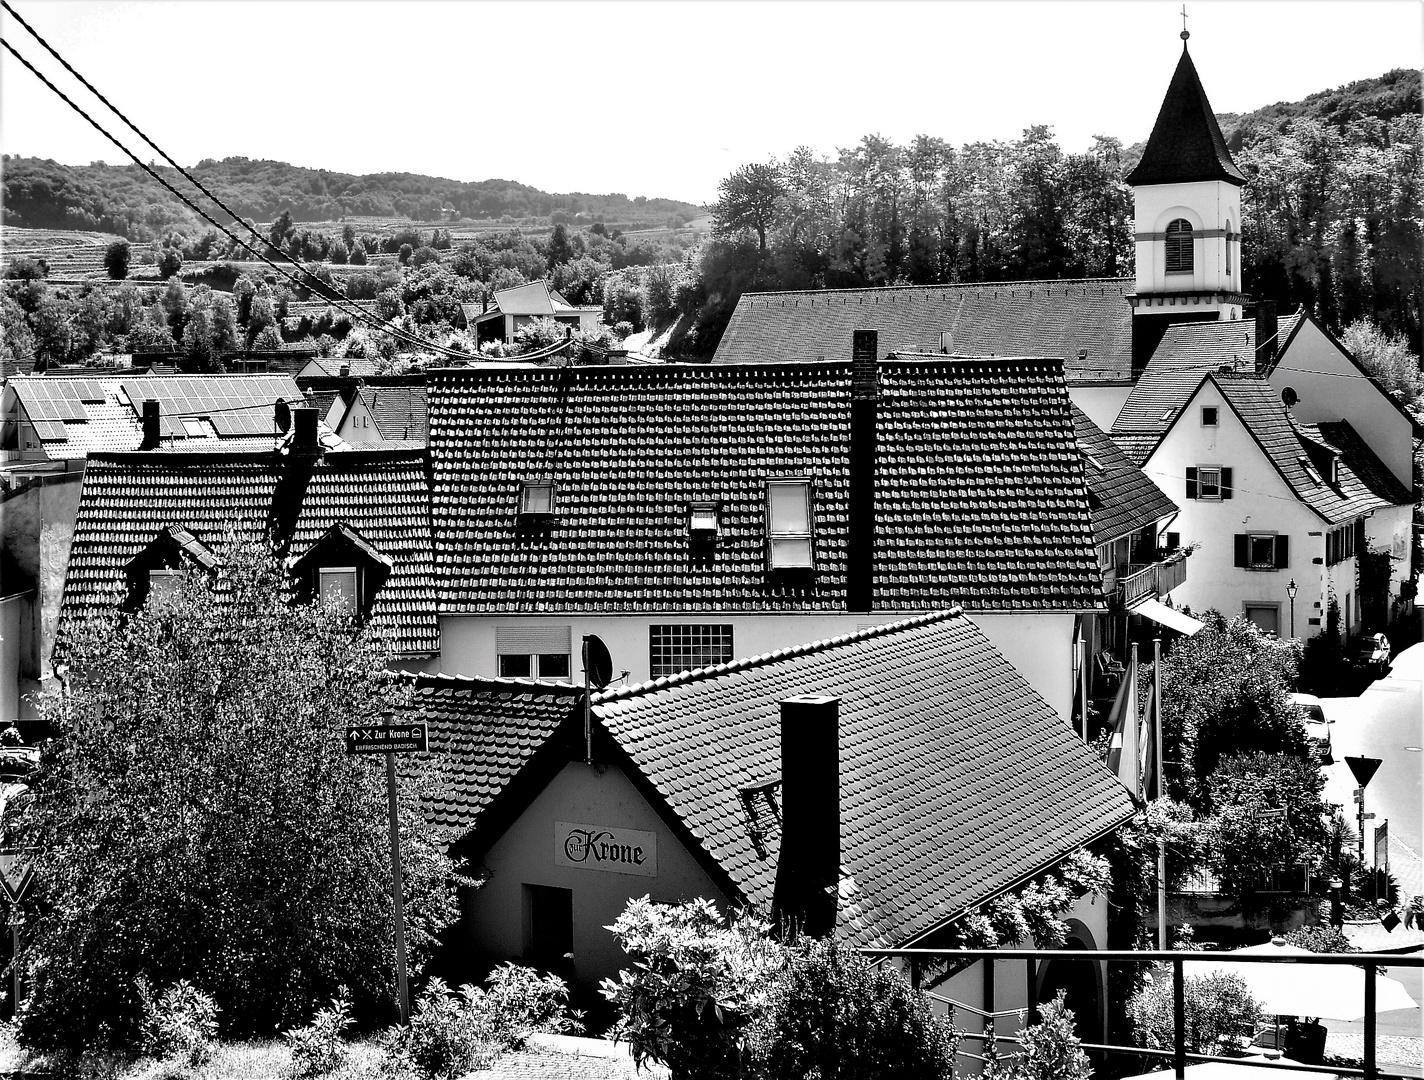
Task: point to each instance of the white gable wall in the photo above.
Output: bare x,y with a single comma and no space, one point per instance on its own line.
1329,388
1101,404
1261,502
359,426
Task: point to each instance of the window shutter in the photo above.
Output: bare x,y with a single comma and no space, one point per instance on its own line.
1226,483
1191,481
1282,552
1243,557
532,639
1359,535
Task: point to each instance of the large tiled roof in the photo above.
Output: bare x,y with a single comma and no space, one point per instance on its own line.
957,779
1186,353
400,412
128,499
535,298
980,498
1300,454
1186,144
330,366
1124,499
76,417
1085,323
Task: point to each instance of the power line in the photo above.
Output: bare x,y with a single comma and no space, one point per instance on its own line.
355,313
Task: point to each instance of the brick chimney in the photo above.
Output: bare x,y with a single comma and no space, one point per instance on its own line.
1267,328
809,863
864,406
304,430
151,427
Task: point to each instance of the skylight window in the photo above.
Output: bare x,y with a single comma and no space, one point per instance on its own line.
702,518
788,529
195,427
537,499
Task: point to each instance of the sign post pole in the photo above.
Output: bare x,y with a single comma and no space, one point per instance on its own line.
15,957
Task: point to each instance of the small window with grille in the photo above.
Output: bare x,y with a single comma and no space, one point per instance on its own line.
674,648
1179,247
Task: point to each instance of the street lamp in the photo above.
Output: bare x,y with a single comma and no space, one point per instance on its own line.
1291,589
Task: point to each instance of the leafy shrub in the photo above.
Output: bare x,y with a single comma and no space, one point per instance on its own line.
1324,939
318,1048
830,1013
520,1001
539,334
1049,1049
696,986
170,261
1217,1005
182,1023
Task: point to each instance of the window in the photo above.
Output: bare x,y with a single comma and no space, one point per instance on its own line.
534,652
1179,247
548,927
1262,551
1208,482
702,518
194,428
788,525
163,584
1339,544
1209,416
537,500
685,648
338,586
1265,616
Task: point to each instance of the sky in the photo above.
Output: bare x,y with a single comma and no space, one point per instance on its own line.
652,97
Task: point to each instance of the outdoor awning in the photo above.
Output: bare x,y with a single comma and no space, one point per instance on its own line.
1168,617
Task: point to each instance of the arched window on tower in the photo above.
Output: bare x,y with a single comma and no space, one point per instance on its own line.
1179,247
1229,238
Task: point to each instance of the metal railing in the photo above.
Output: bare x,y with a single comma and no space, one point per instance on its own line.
917,960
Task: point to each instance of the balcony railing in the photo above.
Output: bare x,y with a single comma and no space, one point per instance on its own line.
917,961
1137,581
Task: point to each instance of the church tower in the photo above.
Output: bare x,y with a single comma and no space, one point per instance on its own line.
1186,194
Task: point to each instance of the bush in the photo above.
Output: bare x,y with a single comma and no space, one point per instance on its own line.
318,1048
1049,1049
538,334
116,259
830,1013
1323,939
1217,1005
182,1023
405,253
170,261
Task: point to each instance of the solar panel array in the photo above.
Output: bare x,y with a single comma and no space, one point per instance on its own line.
238,405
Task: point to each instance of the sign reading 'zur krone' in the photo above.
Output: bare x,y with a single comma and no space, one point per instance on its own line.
598,847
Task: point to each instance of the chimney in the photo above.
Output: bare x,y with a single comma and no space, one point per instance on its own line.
345,371
864,406
282,415
151,427
304,430
1266,330
808,867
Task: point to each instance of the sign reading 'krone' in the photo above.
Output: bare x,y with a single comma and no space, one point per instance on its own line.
600,847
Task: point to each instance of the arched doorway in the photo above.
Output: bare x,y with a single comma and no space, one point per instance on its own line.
1080,980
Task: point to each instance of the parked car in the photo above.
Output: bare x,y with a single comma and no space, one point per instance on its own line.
1317,725
1371,653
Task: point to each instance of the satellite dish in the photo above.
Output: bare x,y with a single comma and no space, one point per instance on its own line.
597,663
1289,397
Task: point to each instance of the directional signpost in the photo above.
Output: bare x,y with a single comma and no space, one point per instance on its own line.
392,739
1363,769
17,869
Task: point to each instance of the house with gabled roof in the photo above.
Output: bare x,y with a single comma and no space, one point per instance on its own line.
384,415
352,526
509,309
688,514
879,785
1282,512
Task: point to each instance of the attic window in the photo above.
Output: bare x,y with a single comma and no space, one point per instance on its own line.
788,525
702,519
1209,416
338,588
194,428
163,585
537,499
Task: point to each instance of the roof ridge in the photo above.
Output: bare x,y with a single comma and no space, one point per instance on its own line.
454,680
745,663
943,285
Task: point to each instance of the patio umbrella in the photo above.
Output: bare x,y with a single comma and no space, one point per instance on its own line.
1330,991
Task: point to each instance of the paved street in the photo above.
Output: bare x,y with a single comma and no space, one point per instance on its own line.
1386,722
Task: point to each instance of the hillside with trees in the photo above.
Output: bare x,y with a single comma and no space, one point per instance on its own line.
39,193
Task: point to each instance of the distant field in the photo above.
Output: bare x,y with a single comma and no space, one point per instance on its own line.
72,256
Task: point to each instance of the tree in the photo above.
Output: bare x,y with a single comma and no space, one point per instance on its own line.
269,339
1247,837
358,253
747,201
404,253
340,253
53,329
199,817
1217,1005
170,261
1387,357
116,259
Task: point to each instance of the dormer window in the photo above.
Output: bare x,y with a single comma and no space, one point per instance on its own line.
338,587
788,525
1334,469
1179,247
702,519
537,499
342,568
163,585
156,572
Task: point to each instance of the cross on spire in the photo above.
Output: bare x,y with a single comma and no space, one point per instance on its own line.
1185,34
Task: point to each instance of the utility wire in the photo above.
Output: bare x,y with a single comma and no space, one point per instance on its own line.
353,312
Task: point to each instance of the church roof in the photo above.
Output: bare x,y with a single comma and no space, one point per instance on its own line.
1186,144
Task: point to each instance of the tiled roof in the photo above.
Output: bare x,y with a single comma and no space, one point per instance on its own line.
75,417
1186,353
128,499
957,779
356,366
400,412
980,498
1186,144
535,298
1124,499
1085,323
1364,484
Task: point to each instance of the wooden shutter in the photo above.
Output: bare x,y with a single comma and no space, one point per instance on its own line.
1191,481
1226,483
1282,552
1243,556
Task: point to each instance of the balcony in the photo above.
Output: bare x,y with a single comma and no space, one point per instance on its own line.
1148,581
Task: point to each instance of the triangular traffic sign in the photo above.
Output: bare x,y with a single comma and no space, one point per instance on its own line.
16,869
1363,768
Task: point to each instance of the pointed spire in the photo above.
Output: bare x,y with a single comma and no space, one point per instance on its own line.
1186,143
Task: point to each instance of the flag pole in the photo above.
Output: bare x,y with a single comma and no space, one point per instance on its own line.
1160,779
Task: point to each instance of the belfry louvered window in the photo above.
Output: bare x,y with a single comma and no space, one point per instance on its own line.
1179,247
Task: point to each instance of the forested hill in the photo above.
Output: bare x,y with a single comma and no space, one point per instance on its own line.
39,193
